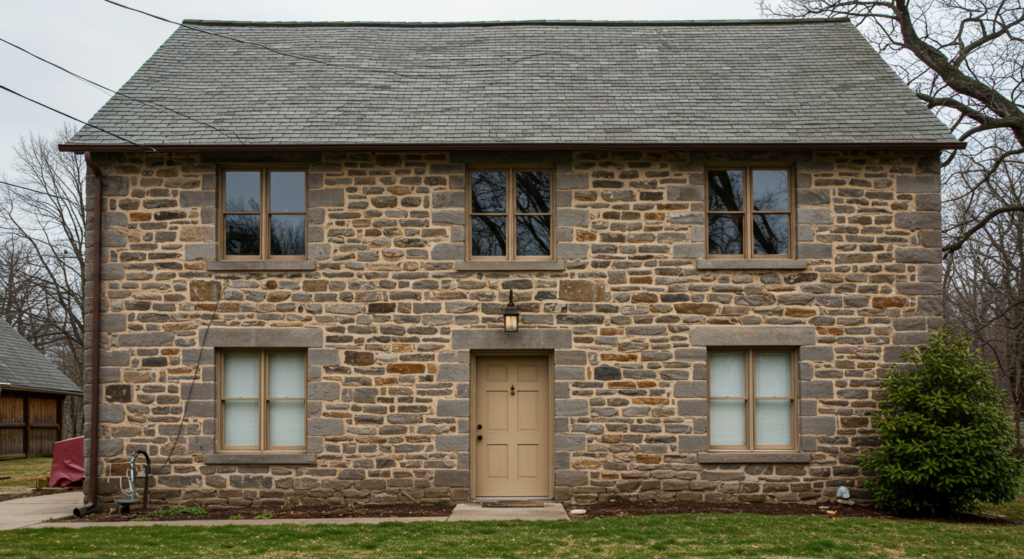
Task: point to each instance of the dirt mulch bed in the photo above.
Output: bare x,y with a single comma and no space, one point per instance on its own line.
396,510
638,508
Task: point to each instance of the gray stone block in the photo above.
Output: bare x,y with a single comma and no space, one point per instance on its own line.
570,443
448,169
449,199
689,250
814,216
816,353
458,372
918,255
919,220
925,183
572,251
493,338
752,336
814,250
448,217
572,181
323,357
325,391
681,193
111,413
448,251
451,478
691,354
690,389
818,389
145,339
113,322
198,199
453,408
928,202
325,427
693,443
201,251
565,408
819,425
263,337
317,251
573,218
571,478
692,407
114,239
325,198
813,197
451,442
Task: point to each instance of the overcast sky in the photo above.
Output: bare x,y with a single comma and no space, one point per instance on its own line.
106,44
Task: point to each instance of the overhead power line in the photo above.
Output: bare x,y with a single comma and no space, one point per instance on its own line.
118,93
122,138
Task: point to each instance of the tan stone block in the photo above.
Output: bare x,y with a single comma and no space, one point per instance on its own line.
706,309
581,290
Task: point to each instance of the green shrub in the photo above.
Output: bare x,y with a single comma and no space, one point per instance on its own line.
945,433
180,509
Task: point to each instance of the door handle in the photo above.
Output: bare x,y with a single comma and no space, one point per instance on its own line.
513,390
479,437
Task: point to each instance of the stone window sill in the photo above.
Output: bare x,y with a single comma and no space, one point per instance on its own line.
753,457
260,265
265,458
753,264
510,265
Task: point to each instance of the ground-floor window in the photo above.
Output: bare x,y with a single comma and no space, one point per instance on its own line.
751,399
262,400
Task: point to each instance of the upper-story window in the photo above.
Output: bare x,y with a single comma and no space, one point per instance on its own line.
750,212
751,399
263,213
509,214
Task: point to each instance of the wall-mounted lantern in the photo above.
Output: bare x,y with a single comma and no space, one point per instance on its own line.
511,315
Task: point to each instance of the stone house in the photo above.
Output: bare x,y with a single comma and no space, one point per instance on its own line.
717,236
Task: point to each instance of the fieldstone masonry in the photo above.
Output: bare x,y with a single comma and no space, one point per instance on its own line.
384,294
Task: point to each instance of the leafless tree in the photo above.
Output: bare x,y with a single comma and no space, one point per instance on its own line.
965,60
42,229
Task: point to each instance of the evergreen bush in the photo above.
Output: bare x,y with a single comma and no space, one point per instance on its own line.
946,439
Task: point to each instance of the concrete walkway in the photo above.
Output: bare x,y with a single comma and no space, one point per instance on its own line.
33,512
476,511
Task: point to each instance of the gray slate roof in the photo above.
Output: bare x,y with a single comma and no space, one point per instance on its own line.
23,367
696,83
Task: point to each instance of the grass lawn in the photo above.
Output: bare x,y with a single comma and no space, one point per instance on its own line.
711,535
24,471
1013,510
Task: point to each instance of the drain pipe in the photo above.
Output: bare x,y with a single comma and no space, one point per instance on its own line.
94,380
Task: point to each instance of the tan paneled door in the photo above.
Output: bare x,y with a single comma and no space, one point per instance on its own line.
512,427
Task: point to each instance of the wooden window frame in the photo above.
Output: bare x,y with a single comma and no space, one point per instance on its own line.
263,399
510,211
748,211
264,213
751,398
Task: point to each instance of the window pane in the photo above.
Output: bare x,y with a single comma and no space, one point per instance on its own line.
725,191
773,374
533,193
773,422
489,235
533,235
728,422
241,423
287,191
771,234
287,235
727,371
771,190
287,373
241,375
242,235
286,423
242,191
725,234
489,192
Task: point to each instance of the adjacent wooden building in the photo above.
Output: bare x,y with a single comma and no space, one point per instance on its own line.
32,393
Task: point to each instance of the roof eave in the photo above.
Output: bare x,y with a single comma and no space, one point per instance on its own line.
816,146
13,388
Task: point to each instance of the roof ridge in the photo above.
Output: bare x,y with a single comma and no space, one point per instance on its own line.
552,22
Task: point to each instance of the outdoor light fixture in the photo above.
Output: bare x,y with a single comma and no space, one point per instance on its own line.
511,315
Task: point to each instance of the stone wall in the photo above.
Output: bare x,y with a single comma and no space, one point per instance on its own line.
387,391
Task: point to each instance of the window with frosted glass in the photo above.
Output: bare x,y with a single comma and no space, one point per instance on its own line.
263,213
749,212
751,401
510,214
263,400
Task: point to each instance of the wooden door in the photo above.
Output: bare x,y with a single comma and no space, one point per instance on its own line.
512,427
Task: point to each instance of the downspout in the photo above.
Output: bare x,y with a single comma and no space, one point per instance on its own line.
94,380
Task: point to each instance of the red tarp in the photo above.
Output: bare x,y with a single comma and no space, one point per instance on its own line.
68,463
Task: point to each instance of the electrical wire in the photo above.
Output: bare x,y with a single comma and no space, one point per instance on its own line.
29,99
106,89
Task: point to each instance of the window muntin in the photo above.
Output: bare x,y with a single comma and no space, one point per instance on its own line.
263,214
750,212
262,400
510,215
751,399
